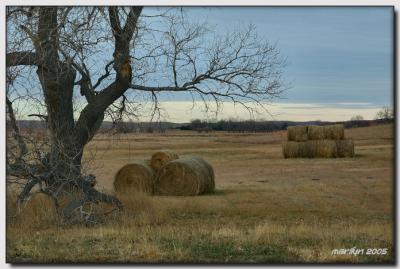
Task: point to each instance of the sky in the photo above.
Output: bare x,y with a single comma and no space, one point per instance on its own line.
339,60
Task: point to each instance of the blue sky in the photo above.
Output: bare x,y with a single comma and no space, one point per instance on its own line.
335,55
339,58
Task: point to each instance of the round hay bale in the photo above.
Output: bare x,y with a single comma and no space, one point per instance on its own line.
210,186
325,149
334,132
40,205
161,158
345,148
184,177
297,133
135,177
290,149
38,210
315,132
308,149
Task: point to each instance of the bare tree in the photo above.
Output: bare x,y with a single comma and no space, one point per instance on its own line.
386,113
357,118
96,62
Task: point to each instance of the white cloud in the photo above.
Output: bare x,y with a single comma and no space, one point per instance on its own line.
183,111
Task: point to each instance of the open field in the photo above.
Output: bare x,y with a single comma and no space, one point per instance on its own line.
265,208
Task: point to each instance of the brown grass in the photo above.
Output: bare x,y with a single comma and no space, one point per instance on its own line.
265,208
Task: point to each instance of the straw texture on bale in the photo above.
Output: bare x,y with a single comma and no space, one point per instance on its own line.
335,132
315,132
38,210
41,203
161,158
323,148
135,177
310,149
345,148
185,176
290,149
297,133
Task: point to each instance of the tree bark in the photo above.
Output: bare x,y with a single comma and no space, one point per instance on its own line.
57,78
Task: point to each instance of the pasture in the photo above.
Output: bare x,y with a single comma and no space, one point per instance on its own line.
265,208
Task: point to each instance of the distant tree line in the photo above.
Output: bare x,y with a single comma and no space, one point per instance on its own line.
252,126
138,127
385,115
235,126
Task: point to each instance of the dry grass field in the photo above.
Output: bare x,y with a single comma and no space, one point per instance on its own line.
265,208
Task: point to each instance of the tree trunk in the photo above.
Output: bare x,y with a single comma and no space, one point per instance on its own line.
58,89
57,80
61,167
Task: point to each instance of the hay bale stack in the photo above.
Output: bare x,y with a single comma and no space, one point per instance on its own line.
297,133
290,149
345,148
315,132
135,177
161,158
324,148
334,132
184,177
317,142
310,149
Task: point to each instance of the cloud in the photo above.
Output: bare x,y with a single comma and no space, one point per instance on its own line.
184,111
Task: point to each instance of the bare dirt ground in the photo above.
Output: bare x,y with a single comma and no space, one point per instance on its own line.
265,208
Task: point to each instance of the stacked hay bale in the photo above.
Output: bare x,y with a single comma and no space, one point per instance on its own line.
297,133
166,174
317,142
161,158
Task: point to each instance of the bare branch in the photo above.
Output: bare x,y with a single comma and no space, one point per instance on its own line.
131,21
114,20
123,35
72,50
43,117
33,38
107,73
17,135
21,58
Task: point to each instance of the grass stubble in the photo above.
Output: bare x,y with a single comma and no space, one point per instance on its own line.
265,209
